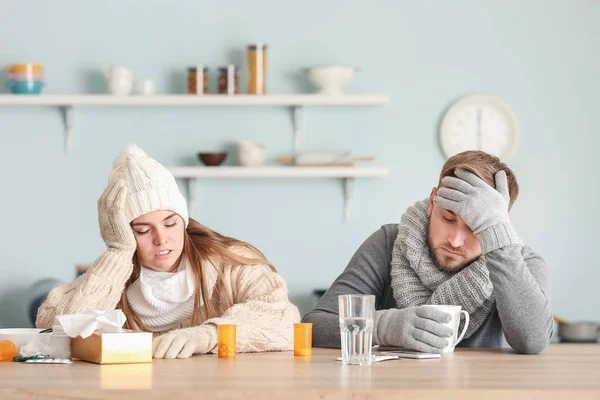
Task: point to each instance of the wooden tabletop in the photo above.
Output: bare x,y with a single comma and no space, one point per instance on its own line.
562,371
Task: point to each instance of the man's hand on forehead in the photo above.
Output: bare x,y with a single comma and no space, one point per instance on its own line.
478,204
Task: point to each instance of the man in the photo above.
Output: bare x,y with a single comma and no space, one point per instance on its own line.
458,247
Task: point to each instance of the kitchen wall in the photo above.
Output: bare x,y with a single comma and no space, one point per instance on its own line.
540,57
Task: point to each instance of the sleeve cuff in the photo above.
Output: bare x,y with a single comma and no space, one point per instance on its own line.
205,338
112,266
380,321
498,236
207,342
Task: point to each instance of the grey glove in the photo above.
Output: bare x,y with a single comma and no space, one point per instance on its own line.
114,227
419,328
482,207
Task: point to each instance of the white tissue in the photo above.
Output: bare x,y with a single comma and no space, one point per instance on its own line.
35,347
54,345
94,320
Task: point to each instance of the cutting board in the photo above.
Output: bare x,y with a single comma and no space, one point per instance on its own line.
323,159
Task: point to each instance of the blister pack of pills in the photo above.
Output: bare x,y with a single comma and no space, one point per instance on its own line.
50,361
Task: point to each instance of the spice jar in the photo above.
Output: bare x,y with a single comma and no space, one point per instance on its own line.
257,68
197,80
228,81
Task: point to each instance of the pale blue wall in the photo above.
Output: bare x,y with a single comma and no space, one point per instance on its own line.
541,57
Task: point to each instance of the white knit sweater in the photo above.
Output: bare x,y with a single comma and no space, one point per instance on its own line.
260,308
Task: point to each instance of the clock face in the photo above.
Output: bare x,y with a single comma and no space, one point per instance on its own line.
480,123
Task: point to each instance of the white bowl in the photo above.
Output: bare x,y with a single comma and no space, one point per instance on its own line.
331,79
19,336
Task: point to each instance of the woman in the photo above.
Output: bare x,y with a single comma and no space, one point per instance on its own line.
173,276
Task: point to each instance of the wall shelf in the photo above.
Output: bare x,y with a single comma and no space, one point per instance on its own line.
296,101
347,174
290,100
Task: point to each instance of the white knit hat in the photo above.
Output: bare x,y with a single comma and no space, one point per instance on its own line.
150,186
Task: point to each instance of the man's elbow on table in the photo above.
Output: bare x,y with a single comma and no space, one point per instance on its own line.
531,345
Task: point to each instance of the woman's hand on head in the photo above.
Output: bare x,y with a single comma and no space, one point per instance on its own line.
114,227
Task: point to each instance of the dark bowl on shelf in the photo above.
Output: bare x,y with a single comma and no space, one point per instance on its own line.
212,159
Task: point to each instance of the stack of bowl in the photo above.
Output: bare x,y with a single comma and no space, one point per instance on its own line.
25,78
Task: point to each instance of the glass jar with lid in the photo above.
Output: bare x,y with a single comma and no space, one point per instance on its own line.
257,68
197,82
228,80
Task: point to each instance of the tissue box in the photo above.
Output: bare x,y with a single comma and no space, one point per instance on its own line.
114,348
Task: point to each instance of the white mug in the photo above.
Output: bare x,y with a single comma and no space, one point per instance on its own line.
455,312
119,80
145,87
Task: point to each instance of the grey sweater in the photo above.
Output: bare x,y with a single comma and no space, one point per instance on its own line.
521,318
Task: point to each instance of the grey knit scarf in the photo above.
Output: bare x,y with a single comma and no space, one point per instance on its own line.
416,280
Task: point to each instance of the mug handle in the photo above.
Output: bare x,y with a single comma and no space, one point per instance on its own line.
462,334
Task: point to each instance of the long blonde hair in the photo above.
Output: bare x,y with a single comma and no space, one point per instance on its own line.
201,245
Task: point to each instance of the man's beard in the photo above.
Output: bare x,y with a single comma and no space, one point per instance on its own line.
438,262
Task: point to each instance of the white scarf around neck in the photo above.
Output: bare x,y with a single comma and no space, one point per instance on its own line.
165,300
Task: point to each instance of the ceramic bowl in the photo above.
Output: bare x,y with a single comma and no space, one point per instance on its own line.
25,76
331,79
25,87
212,159
25,68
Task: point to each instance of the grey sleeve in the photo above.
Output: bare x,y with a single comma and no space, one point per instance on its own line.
366,273
522,288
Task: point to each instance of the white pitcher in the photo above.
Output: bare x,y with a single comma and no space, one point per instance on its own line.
119,80
251,154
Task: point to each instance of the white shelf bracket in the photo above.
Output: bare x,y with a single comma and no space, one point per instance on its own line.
348,198
297,121
191,188
67,115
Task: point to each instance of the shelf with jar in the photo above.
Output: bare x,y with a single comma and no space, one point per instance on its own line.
119,81
27,81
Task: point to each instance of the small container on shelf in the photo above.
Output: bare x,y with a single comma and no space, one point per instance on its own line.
197,82
228,81
257,68
25,78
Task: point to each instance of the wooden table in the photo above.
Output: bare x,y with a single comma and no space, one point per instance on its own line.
562,371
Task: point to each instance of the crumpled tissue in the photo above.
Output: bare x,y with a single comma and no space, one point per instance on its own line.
85,324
